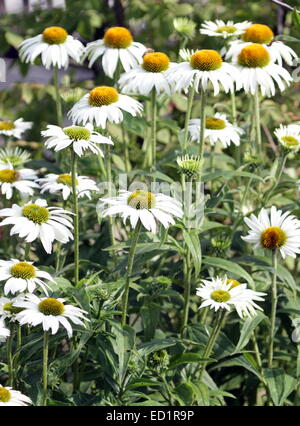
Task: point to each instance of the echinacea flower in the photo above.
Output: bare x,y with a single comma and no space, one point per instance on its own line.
7,309
274,231
79,138
151,74
262,34
258,71
4,331
204,67
103,104
20,180
217,128
54,184
50,312
54,45
14,128
116,46
15,157
289,137
13,398
144,206
22,276
35,220
190,165
221,293
223,29
185,27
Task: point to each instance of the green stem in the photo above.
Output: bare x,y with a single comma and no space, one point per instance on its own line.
76,218
279,171
202,123
273,311
59,114
212,339
153,129
257,122
237,149
187,290
109,181
27,251
10,366
188,117
45,367
133,246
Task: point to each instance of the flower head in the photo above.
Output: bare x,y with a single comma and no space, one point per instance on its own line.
289,137
116,46
54,45
185,27
35,220
103,104
144,206
190,165
20,180
4,331
63,183
49,312
223,29
14,128
10,397
15,157
274,231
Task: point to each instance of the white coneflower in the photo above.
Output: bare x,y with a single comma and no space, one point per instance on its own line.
217,128
35,220
116,46
20,180
262,34
79,138
224,29
51,313
14,128
13,156
4,331
54,45
13,398
103,104
204,67
21,276
289,137
54,184
7,309
258,71
190,165
274,231
151,74
144,206
221,293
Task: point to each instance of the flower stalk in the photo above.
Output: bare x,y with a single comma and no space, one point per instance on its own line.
76,218
274,299
45,368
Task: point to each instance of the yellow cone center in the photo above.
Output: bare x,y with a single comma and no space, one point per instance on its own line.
77,133
65,179
9,307
36,213
220,296
118,38
4,394
51,306
8,175
230,29
23,270
7,125
206,60
234,283
273,238
141,200
156,62
213,123
103,95
258,33
55,35
290,141
254,56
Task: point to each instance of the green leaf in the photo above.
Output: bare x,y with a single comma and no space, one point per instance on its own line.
13,39
123,344
155,345
229,266
150,314
280,384
296,20
185,392
185,358
193,243
248,327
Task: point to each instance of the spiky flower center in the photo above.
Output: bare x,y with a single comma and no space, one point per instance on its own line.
118,38
9,307
254,56
156,62
4,394
51,306
36,213
7,125
55,35
77,133
23,270
234,283
206,60
141,200
189,165
258,33
8,175
103,95
65,179
220,296
273,238
230,29
290,141
213,123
